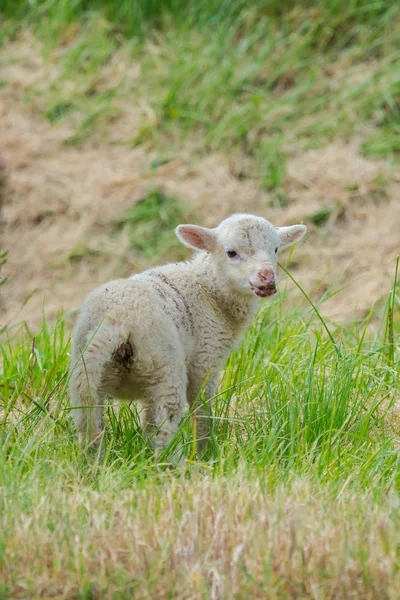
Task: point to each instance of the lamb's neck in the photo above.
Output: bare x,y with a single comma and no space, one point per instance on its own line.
236,308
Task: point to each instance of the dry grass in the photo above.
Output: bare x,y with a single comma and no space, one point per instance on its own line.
204,539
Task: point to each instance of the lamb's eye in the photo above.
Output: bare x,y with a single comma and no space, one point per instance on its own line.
276,250
231,253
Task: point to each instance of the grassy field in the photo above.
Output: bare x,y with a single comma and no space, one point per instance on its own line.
298,496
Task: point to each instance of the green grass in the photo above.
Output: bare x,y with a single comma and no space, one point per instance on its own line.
134,16
150,224
295,398
299,401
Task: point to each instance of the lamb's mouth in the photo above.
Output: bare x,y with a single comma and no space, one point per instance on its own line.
262,291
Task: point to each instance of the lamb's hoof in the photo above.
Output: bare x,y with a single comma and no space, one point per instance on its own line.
173,460
92,447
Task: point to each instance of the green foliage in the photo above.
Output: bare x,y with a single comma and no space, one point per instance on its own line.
150,223
384,144
321,216
133,15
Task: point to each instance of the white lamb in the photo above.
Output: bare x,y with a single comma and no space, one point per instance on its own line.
162,336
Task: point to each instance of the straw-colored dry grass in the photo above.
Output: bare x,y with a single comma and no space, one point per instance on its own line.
229,538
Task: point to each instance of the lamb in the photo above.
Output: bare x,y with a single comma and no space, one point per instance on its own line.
160,337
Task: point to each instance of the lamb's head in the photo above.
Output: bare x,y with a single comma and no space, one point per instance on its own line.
244,250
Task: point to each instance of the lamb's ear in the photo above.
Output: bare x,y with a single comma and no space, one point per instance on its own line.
198,238
290,235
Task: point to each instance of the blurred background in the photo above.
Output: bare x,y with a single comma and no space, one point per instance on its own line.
118,120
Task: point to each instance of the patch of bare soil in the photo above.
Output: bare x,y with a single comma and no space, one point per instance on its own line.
60,202
360,239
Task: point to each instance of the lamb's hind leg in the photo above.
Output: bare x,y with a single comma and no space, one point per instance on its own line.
87,373
87,403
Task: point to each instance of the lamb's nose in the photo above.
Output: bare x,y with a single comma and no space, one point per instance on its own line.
267,276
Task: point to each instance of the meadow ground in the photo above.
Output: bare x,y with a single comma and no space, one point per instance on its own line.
115,127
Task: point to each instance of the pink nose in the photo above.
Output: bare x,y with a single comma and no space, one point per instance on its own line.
267,276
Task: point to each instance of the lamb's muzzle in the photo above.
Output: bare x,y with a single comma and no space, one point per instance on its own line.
161,337
263,291
265,284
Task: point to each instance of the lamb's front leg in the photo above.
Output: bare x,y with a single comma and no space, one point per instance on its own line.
165,408
201,391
